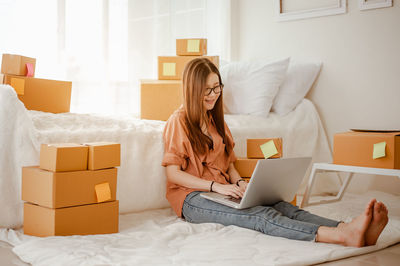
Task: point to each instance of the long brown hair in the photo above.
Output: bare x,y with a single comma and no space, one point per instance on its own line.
194,85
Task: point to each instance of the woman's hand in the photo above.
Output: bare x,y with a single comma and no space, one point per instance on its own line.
243,186
229,189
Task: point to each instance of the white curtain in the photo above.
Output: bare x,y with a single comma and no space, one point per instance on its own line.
106,46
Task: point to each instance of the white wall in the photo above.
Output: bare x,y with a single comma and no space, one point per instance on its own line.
359,85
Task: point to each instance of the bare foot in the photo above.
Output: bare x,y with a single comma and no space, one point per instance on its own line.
353,233
378,223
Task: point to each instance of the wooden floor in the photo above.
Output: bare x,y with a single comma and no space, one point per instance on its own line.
386,257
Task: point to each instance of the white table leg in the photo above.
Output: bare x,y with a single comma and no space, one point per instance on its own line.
310,184
350,170
344,186
338,197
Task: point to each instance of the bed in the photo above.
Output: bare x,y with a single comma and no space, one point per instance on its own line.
141,178
150,233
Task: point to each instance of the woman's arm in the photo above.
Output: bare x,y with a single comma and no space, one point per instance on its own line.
233,174
234,177
177,176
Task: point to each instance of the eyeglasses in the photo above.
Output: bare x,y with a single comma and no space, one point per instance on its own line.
217,90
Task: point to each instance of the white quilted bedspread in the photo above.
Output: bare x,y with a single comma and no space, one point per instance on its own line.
141,178
158,237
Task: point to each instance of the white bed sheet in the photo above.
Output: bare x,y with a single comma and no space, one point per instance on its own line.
158,237
141,178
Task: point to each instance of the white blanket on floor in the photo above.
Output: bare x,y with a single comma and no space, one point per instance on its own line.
141,178
158,237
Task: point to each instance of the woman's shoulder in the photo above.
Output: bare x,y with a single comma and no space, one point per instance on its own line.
177,115
177,118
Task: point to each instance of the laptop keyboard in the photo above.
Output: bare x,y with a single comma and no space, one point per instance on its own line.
234,200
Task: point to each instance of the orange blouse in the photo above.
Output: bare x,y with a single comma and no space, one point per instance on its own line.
212,166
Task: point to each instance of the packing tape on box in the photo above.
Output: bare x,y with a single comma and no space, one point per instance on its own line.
18,85
268,149
193,46
29,69
379,150
103,192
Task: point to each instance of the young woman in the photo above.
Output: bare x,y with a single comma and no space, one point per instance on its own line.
199,157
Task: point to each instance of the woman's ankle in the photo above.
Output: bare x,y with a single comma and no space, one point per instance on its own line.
332,235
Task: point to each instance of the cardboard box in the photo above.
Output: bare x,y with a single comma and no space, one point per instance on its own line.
1,78
101,218
103,155
171,67
357,148
17,65
245,166
191,46
159,98
294,201
42,94
254,151
65,189
247,179
63,157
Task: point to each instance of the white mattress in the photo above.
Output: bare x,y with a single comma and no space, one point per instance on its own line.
141,178
158,237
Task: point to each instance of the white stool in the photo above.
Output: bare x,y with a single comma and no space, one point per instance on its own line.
350,170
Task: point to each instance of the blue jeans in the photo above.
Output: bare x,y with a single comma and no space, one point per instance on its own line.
282,219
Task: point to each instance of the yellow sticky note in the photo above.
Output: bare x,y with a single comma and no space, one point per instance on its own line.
193,46
379,150
268,149
103,192
169,69
18,85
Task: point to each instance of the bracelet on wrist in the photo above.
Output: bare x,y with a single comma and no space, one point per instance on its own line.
211,185
237,182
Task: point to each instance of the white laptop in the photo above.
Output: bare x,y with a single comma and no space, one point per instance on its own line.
273,180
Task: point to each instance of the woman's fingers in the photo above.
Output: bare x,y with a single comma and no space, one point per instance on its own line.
233,191
236,191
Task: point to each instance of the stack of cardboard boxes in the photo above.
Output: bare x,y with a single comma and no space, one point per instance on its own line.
37,94
73,191
258,149
378,149
160,98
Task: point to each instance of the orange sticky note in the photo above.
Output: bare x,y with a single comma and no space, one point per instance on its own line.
18,85
29,69
103,192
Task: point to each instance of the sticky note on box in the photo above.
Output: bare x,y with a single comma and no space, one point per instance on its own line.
169,69
268,149
193,46
379,150
103,192
29,69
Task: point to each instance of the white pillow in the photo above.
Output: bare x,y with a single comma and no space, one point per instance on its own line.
250,87
299,79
